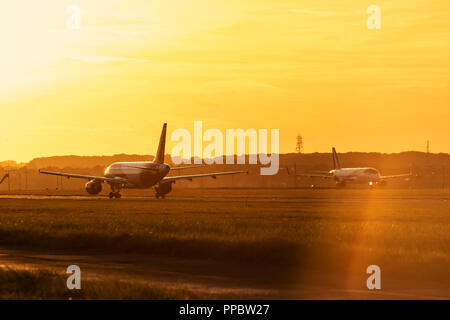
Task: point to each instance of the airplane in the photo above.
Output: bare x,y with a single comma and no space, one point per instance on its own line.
342,176
139,175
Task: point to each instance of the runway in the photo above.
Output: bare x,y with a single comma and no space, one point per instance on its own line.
233,199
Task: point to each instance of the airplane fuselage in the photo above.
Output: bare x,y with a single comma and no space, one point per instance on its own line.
140,175
356,175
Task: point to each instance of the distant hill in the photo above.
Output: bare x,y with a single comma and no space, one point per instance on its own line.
314,161
9,163
433,170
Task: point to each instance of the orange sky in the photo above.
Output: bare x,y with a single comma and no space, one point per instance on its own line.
309,67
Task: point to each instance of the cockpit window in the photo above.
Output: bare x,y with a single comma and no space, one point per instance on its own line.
371,171
107,169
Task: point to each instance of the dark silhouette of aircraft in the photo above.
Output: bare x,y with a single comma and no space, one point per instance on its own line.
139,175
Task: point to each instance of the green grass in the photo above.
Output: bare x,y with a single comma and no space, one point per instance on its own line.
42,284
341,235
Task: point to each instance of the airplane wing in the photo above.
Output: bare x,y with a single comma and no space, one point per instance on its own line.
188,167
142,168
156,169
317,174
202,175
406,175
314,175
80,176
4,177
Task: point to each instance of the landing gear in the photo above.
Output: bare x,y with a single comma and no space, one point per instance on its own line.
115,192
115,195
340,185
162,189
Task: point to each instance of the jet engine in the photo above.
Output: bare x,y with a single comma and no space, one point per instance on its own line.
162,189
93,187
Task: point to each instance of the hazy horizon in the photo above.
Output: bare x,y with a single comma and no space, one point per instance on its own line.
168,154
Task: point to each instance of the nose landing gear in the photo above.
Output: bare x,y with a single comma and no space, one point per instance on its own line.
115,195
115,192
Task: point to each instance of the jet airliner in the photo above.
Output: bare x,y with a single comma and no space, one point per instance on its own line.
342,176
139,175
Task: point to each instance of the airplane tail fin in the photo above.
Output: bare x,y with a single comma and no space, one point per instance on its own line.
336,164
162,145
